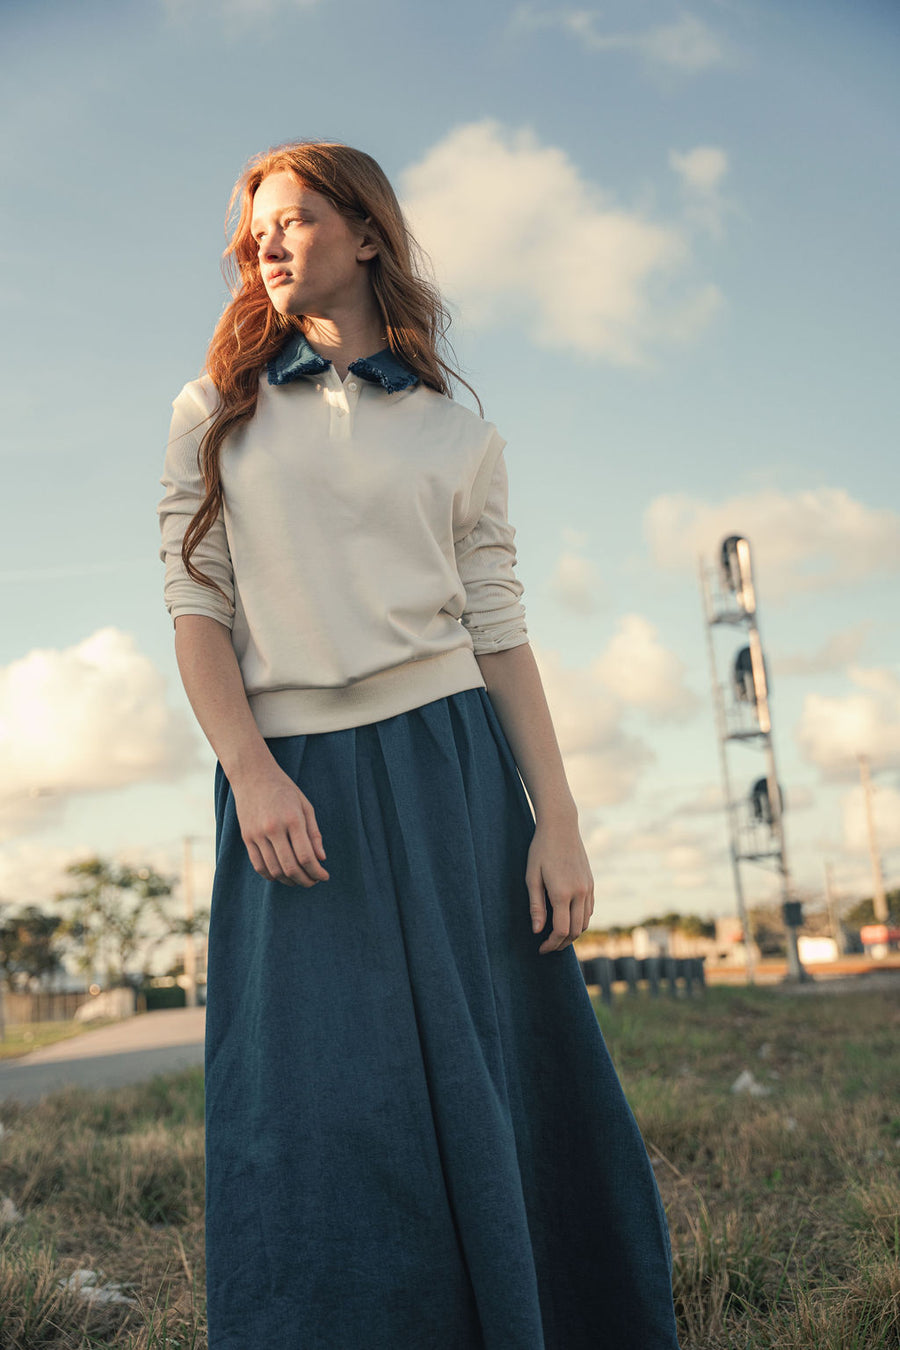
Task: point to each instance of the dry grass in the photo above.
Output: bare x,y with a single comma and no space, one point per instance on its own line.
111,1182
785,1208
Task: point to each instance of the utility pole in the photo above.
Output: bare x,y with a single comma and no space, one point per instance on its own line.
879,899
832,907
190,950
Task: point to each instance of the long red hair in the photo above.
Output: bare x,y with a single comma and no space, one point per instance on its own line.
251,331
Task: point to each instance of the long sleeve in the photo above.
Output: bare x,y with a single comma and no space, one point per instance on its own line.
485,557
184,493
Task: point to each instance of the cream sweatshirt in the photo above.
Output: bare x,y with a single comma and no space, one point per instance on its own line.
364,549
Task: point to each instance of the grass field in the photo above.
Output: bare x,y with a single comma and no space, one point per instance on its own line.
784,1207
20,1039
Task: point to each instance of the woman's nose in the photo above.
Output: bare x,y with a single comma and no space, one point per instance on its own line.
273,247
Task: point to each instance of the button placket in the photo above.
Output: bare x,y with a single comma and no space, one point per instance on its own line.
339,420
351,392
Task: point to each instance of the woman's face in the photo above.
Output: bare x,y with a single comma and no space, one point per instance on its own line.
312,261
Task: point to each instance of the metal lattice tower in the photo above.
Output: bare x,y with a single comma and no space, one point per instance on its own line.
743,717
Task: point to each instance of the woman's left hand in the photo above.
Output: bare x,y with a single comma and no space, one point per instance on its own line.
558,865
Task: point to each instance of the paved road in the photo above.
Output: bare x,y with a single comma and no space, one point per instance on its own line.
128,1052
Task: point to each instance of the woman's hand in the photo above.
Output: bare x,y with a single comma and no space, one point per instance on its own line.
558,864
278,826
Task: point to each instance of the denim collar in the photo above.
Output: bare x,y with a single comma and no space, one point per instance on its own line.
298,358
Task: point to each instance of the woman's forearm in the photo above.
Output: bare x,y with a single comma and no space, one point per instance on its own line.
278,821
517,694
212,680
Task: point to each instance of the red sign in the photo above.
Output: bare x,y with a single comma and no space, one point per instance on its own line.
871,933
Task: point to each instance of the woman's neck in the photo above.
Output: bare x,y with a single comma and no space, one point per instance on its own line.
341,342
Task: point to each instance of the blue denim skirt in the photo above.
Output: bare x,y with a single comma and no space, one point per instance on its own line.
415,1137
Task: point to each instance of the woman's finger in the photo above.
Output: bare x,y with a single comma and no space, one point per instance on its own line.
537,904
312,828
290,868
298,856
256,859
577,921
274,871
560,934
305,848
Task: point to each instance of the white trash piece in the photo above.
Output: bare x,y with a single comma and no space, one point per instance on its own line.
86,1283
8,1213
745,1082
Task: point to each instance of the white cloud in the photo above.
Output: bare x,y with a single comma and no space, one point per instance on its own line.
33,873
832,732
643,674
603,763
885,813
687,45
684,859
701,171
589,704
575,583
810,540
835,653
706,801
84,719
517,235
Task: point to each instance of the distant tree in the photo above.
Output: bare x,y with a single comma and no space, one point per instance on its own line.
29,946
695,927
113,910
864,911
689,924
767,927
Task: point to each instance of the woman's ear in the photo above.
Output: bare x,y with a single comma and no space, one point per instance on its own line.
368,249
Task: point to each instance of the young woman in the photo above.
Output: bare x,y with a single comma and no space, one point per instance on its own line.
415,1136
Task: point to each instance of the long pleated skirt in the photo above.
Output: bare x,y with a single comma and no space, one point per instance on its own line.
415,1139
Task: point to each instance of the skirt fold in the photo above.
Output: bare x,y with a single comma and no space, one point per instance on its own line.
415,1135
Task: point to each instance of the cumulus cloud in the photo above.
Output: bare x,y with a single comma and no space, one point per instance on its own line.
687,45
835,653
886,816
603,762
806,541
701,169
517,235
705,801
575,583
33,873
701,172
87,718
644,674
686,858
834,731
589,705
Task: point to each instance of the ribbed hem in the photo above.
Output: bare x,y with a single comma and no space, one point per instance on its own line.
297,712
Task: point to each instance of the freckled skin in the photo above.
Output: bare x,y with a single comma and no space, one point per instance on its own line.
300,233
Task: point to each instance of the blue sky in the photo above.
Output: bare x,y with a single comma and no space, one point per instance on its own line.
668,234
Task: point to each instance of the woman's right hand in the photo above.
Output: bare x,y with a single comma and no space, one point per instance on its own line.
278,826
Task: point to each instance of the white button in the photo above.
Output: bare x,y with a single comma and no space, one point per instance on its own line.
352,385
341,412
